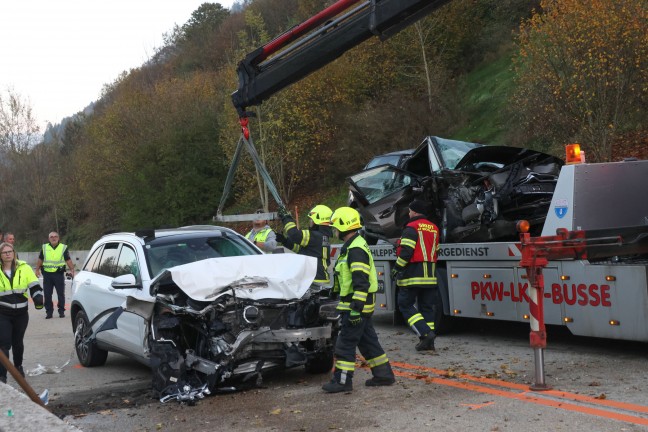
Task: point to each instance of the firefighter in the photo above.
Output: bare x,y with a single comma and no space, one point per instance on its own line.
315,241
357,282
262,235
414,273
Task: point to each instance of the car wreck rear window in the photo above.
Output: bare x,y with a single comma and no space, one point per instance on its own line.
171,252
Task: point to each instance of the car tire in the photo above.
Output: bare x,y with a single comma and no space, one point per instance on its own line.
87,352
322,363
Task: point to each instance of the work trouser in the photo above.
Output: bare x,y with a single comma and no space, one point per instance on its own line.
52,280
420,320
364,337
13,326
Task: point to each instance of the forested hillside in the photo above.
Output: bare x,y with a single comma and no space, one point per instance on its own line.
155,149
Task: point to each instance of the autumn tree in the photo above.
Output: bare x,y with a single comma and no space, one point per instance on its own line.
18,128
582,72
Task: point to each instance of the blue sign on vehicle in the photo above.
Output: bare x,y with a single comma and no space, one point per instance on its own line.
561,206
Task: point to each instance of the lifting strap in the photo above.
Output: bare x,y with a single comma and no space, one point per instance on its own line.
246,141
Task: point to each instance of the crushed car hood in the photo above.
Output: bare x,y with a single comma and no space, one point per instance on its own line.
256,277
501,155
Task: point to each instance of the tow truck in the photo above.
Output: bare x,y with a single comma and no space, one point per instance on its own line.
603,293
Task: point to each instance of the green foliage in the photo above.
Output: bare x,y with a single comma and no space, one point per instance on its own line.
485,92
583,68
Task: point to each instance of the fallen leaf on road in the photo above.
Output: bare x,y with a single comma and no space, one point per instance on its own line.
601,396
276,412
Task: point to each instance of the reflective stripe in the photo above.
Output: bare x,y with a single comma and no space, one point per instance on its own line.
18,291
418,281
408,242
344,306
359,295
288,226
358,266
414,319
377,361
400,262
421,240
14,305
431,325
345,365
305,238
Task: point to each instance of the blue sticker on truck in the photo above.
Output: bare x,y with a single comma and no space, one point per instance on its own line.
561,206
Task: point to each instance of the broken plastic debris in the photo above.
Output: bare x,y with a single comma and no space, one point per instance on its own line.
40,369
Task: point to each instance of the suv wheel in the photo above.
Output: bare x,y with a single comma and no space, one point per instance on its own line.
87,352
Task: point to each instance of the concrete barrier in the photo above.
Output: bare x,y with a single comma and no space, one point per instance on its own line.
19,413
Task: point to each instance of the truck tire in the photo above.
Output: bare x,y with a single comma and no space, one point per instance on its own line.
87,352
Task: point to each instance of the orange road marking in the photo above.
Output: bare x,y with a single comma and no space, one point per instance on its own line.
522,387
524,396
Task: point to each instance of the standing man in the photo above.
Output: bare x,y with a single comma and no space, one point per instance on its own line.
357,282
262,235
10,238
315,241
414,273
52,260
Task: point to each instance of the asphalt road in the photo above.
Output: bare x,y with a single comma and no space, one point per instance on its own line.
477,380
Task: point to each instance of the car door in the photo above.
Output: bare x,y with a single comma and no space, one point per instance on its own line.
382,195
100,298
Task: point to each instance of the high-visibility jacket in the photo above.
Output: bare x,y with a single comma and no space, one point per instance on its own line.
315,242
13,292
417,254
355,275
54,258
260,236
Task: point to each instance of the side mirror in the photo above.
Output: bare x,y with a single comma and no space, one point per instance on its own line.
125,282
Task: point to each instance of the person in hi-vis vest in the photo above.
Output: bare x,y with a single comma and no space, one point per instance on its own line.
52,259
262,235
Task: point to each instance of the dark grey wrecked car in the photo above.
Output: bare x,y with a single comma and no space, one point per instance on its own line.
478,192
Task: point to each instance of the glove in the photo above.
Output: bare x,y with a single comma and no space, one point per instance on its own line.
395,273
281,238
355,318
356,306
38,301
283,213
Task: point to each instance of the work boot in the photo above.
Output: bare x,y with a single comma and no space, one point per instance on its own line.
341,382
426,343
335,387
382,376
380,381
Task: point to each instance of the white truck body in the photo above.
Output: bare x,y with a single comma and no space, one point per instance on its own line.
607,299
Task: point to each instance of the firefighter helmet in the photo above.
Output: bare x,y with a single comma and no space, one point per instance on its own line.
321,215
346,219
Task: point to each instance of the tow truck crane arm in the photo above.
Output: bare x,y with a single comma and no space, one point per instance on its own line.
305,48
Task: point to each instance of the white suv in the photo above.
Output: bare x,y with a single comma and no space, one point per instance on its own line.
202,306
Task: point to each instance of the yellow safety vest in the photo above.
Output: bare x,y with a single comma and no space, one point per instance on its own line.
260,236
23,279
344,281
53,258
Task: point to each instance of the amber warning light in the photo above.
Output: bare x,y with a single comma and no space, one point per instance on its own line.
574,154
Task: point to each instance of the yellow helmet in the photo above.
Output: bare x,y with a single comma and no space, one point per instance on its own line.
346,219
321,215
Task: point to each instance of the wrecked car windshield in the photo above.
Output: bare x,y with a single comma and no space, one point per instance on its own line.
167,252
453,151
381,181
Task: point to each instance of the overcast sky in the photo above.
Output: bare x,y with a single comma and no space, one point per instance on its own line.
58,54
